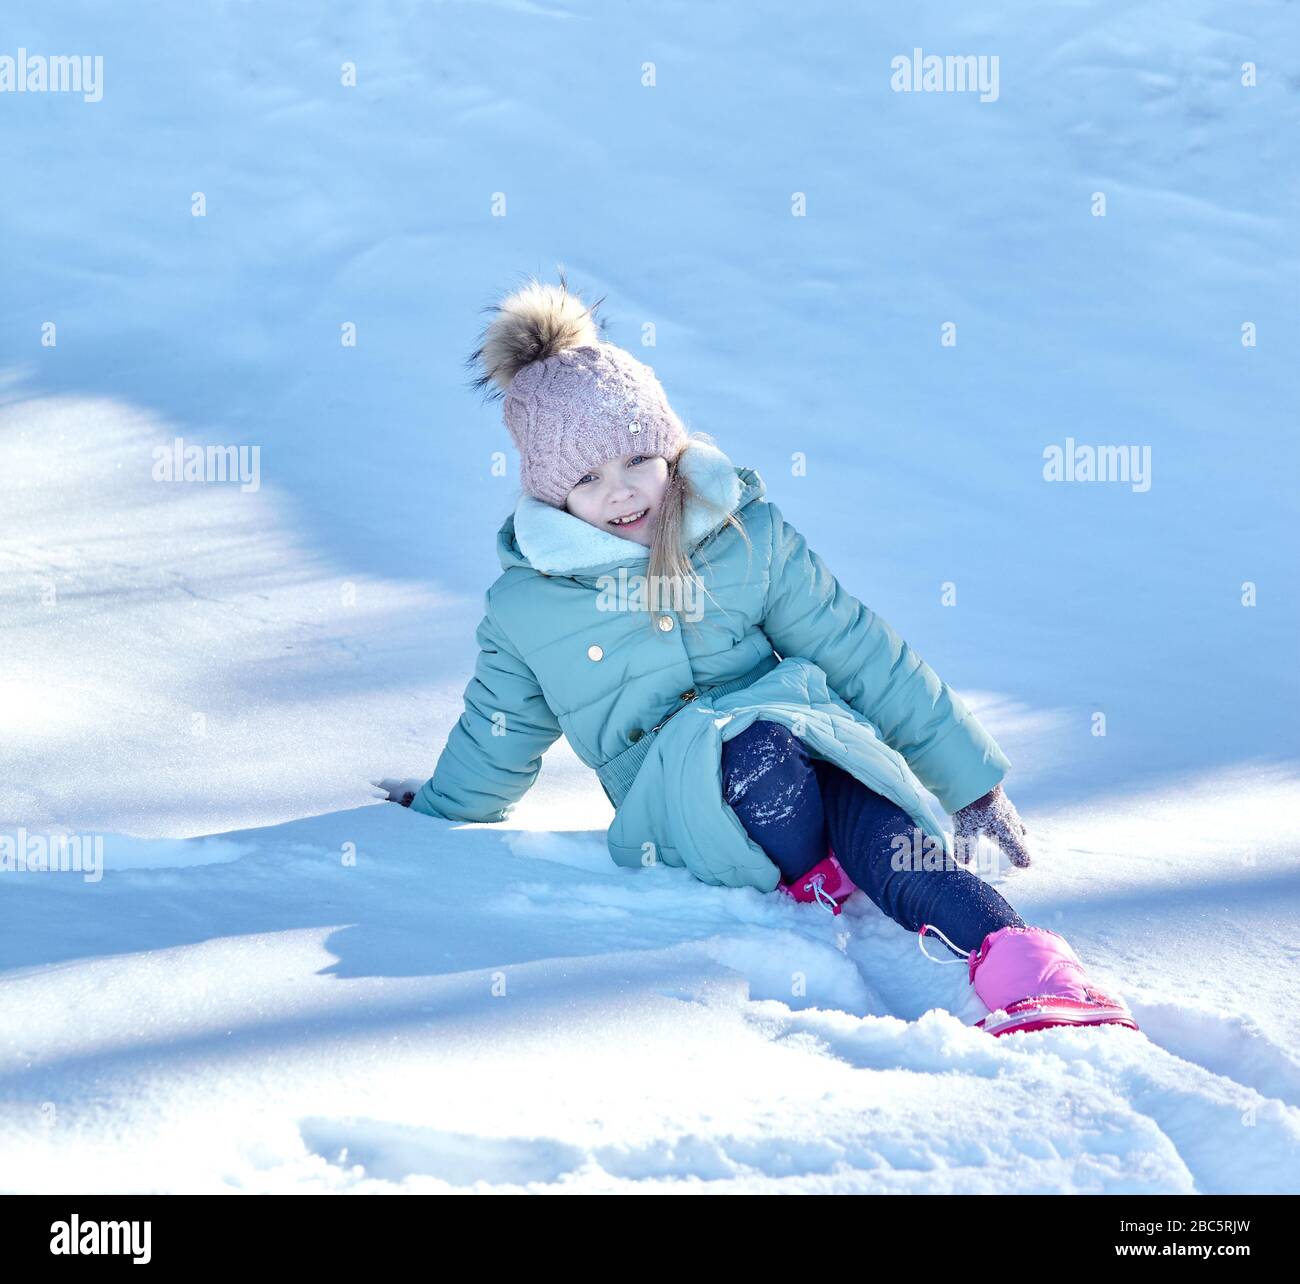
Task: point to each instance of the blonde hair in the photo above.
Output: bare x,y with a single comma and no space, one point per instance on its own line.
670,568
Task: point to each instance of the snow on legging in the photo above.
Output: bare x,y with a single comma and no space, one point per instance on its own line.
793,806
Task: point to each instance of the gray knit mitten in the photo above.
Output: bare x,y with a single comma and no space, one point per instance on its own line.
398,791
995,816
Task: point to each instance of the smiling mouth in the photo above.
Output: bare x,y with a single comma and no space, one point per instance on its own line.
632,519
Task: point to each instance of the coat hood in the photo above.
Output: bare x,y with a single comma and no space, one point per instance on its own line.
555,542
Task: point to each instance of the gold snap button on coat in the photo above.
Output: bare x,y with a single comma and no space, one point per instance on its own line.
594,652
665,622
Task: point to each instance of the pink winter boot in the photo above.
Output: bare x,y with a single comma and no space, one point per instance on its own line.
1029,978
827,883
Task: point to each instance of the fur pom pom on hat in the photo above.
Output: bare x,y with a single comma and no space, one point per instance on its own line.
571,400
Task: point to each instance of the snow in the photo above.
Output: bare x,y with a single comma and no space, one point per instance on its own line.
277,983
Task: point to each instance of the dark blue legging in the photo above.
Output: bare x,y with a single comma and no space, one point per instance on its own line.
793,806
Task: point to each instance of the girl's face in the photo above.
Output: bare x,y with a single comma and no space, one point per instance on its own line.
630,486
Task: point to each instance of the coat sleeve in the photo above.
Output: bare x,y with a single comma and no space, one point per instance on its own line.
808,613
494,752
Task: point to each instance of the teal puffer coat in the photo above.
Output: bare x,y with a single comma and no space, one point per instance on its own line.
776,638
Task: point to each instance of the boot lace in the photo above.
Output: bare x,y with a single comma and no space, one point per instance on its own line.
963,955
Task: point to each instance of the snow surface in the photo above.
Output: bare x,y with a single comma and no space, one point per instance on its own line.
279,985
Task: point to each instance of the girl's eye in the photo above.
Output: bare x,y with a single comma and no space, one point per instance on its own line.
635,459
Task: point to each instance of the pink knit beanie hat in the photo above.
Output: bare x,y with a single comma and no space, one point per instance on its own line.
572,401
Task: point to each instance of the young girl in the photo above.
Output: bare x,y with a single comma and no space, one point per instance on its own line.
747,717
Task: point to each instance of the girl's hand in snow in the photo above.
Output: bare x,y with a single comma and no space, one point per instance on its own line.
995,816
398,791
